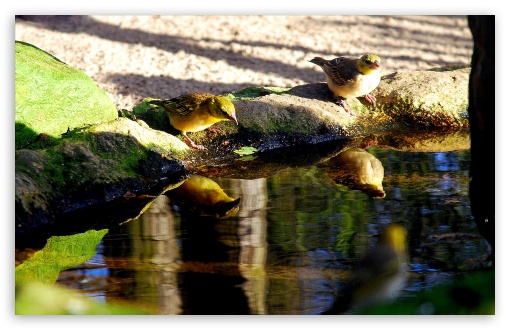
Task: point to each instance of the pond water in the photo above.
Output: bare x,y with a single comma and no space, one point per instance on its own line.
292,241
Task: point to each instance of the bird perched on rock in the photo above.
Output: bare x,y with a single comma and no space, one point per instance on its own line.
351,77
196,111
381,273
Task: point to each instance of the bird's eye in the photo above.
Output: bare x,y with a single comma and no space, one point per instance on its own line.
368,62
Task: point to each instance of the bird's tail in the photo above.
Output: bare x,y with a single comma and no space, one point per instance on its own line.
157,102
318,60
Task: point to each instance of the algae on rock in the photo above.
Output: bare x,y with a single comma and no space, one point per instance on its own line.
52,97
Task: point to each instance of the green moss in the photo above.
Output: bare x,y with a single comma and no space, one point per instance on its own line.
40,299
52,97
60,253
253,92
98,155
54,168
75,164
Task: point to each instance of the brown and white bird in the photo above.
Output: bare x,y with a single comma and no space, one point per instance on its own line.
196,112
349,77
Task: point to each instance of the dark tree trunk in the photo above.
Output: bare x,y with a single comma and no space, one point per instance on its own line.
482,122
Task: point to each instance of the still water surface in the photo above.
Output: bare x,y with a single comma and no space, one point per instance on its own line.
291,243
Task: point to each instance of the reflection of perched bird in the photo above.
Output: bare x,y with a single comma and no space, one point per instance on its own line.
196,112
358,169
204,197
380,274
351,77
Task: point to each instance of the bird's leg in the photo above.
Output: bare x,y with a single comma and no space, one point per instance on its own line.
193,144
370,99
341,102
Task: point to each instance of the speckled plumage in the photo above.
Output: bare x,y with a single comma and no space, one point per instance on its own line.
349,77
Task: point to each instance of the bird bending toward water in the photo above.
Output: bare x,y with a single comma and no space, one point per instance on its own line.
349,77
196,112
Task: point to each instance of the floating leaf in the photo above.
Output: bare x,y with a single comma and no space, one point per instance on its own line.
246,151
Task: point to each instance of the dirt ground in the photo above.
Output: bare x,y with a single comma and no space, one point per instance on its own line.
133,57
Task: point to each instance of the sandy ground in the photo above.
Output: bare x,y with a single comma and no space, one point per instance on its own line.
133,57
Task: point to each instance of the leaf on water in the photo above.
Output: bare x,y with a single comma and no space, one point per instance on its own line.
245,151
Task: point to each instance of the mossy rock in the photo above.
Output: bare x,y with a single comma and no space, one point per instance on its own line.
91,166
425,99
52,97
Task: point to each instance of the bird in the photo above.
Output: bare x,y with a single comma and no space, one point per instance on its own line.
349,77
196,112
380,274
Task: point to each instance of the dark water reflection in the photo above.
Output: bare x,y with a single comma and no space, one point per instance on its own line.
292,243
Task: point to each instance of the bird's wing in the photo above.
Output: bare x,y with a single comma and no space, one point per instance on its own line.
184,104
341,70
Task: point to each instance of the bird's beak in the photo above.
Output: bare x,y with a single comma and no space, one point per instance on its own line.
375,65
233,118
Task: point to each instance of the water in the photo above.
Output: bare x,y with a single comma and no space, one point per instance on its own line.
290,245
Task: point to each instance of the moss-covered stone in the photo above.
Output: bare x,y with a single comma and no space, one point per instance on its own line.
52,97
272,118
94,165
434,98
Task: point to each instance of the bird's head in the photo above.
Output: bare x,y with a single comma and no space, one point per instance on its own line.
369,63
395,236
222,108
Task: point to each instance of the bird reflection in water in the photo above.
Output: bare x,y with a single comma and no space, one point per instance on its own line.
358,169
204,197
380,275
210,280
